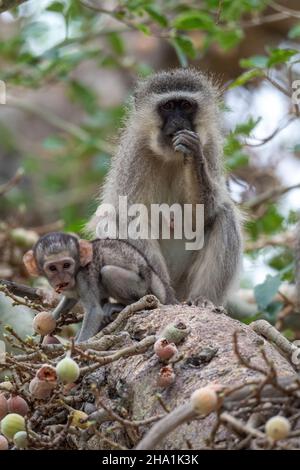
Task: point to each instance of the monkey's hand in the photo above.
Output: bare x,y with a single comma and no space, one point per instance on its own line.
188,143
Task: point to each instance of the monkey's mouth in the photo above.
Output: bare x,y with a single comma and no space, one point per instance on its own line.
60,287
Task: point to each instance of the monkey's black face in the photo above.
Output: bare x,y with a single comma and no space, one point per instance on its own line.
176,115
60,272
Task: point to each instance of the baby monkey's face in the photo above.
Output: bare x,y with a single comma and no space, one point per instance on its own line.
60,272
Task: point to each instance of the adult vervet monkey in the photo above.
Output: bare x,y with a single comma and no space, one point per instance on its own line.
171,152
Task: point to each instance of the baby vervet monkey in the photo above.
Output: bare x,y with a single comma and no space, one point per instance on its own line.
93,271
171,153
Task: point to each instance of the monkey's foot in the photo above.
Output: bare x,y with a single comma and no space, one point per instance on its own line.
201,302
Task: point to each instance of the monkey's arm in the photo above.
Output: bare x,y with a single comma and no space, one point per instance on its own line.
90,292
64,306
188,142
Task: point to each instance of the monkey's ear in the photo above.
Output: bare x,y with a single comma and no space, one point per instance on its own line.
85,252
30,264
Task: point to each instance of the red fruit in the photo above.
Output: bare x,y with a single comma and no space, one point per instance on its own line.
3,406
166,377
164,350
17,405
41,389
44,323
3,443
47,373
50,340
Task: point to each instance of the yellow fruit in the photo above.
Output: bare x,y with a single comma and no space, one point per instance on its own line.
11,424
204,400
67,370
278,428
21,440
44,323
79,419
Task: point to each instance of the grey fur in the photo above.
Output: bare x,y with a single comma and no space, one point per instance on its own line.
147,172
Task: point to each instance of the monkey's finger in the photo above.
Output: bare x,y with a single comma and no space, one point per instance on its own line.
186,139
188,133
192,145
183,149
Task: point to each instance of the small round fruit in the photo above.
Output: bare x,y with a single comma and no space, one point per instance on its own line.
6,385
166,377
11,424
3,406
204,400
164,350
41,389
17,405
175,333
67,370
47,373
3,443
21,440
44,323
79,419
278,428
50,340
24,238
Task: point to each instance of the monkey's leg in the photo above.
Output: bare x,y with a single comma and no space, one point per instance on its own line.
216,265
111,311
64,306
123,285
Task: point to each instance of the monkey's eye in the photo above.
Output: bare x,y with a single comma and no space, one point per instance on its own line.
186,105
168,106
52,268
67,265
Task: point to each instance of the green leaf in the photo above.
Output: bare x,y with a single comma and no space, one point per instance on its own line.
194,19
83,95
229,39
256,61
186,45
54,143
247,127
294,32
265,292
143,28
116,43
57,7
237,160
280,56
157,16
246,77
182,57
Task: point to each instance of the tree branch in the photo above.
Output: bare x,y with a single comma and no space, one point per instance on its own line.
9,4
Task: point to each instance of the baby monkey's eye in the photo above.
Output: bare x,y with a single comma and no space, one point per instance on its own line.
67,265
52,267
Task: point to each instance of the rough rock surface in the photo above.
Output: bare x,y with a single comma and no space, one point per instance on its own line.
207,356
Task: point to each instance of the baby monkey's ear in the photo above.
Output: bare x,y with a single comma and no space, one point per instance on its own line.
30,263
85,252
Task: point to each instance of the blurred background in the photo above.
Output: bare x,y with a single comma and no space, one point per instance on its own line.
67,69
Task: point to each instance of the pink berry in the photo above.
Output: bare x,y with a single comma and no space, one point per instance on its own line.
44,323
17,405
164,350
3,406
3,443
166,377
41,389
